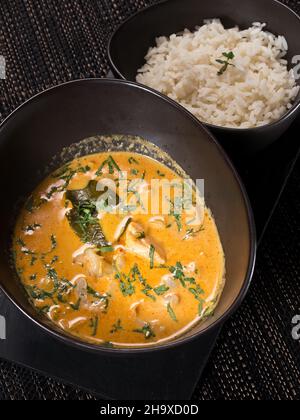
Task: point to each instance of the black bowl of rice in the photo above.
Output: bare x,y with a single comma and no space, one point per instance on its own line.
235,66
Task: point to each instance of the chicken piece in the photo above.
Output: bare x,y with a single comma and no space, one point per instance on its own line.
81,292
121,228
139,244
91,261
81,289
172,299
95,264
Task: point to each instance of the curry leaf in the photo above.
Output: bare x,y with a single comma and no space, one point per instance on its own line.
83,216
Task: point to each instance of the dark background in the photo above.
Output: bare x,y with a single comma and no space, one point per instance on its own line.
46,42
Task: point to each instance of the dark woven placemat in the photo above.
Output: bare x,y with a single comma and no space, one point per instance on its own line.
47,42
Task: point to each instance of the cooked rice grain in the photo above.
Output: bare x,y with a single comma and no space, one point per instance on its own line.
257,90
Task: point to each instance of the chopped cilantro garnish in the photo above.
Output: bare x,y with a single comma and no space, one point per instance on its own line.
146,330
147,291
197,292
132,160
178,273
134,172
105,249
171,312
112,166
94,325
160,290
116,327
125,283
192,232
76,306
151,256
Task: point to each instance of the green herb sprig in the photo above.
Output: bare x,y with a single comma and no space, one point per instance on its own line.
112,166
94,325
125,283
151,256
137,275
178,273
225,63
147,331
191,233
160,290
171,313
116,327
132,160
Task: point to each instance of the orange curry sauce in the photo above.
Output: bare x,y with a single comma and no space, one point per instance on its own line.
155,276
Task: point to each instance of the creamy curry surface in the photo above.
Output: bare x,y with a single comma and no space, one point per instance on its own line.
122,277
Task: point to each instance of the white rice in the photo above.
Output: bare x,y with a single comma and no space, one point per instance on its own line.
256,90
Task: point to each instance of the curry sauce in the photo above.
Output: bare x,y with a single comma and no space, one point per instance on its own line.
115,272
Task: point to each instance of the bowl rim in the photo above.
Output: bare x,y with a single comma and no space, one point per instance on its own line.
180,340
288,114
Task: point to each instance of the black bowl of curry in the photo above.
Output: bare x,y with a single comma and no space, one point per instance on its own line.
130,230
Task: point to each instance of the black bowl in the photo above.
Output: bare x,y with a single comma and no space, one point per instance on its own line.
131,41
60,116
